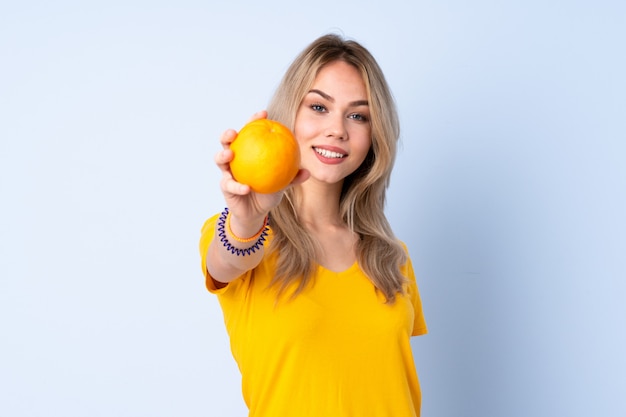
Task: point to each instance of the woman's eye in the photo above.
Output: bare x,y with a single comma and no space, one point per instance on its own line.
358,117
318,107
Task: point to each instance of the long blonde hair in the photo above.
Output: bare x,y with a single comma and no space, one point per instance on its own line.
379,254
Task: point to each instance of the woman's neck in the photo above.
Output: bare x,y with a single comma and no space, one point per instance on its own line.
317,204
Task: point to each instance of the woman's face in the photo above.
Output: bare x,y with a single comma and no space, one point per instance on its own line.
333,124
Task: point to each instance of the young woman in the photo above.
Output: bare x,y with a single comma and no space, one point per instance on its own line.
321,311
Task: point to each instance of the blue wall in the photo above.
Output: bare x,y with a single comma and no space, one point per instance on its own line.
510,191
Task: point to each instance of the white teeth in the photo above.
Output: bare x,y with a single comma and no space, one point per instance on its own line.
328,154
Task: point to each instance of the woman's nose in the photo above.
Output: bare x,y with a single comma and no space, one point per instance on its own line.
336,127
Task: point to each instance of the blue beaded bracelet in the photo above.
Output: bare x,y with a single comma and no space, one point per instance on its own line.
221,232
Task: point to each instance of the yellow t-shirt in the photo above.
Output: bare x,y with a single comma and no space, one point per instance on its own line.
335,350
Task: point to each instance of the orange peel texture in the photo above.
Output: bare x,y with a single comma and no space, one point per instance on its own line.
266,156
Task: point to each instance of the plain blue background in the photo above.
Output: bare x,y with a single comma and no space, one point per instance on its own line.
509,191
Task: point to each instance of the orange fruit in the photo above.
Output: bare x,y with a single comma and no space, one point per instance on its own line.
266,156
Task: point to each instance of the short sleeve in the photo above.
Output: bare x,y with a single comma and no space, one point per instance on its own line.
419,322
206,237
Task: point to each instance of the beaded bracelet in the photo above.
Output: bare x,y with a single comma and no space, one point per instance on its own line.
224,222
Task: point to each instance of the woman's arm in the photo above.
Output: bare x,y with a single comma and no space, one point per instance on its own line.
229,256
247,218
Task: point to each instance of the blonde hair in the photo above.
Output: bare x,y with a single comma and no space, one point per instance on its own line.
379,254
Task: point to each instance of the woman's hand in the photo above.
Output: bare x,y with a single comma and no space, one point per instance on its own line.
248,208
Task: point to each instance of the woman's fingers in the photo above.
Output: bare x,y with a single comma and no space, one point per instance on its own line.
231,187
258,115
223,158
237,194
228,184
228,137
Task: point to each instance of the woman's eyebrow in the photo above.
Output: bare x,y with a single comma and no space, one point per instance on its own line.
323,94
332,100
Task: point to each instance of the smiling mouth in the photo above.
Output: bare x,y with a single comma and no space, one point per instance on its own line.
329,154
